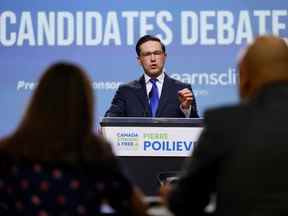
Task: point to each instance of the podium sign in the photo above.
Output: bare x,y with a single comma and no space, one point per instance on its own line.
152,136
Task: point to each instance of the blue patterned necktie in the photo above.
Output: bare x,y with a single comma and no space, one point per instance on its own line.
154,97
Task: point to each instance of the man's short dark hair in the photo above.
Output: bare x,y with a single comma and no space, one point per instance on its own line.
146,38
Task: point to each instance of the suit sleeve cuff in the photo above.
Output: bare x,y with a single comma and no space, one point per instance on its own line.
186,112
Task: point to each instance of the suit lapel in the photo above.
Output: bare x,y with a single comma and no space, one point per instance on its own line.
164,95
141,93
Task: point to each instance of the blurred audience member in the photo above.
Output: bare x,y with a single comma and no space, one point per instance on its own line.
242,153
53,164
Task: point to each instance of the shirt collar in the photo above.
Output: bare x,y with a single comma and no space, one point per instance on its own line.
160,78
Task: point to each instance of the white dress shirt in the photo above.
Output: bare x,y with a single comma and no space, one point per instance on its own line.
159,83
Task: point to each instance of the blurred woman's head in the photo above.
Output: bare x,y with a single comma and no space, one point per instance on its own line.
62,102
59,117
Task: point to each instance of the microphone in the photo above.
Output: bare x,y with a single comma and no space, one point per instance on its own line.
145,113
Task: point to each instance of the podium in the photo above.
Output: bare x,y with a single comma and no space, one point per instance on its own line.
149,147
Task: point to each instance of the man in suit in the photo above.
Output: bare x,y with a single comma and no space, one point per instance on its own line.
242,154
154,94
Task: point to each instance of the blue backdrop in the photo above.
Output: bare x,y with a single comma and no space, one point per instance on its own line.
203,39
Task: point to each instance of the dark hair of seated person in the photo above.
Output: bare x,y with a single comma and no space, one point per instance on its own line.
53,164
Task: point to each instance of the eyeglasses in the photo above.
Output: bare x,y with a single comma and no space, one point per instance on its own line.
148,54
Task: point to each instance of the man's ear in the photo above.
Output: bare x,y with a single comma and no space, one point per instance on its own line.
165,57
139,60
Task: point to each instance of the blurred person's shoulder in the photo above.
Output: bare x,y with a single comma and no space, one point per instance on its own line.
227,117
98,149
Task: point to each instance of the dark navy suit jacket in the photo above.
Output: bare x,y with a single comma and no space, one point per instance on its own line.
131,100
